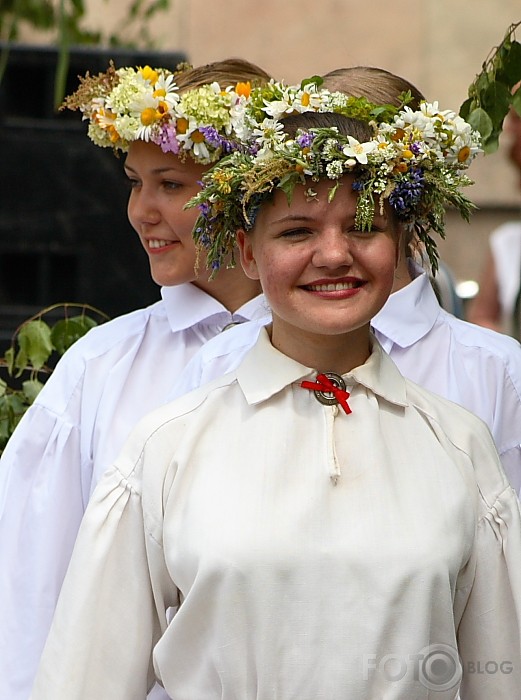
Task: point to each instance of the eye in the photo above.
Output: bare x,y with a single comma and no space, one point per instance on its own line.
295,233
132,182
171,185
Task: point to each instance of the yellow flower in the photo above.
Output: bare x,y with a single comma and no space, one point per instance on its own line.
113,134
196,136
305,99
149,74
398,135
162,109
181,125
222,181
463,154
161,92
148,116
243,89
407,154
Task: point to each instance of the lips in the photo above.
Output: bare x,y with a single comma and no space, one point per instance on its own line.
158,243
334,285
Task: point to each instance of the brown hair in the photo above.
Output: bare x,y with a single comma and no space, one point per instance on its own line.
346,126
226,72
375,84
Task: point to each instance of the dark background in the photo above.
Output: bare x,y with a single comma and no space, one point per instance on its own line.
64,232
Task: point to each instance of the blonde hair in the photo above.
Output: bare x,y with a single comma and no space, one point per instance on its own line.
226,72
375,84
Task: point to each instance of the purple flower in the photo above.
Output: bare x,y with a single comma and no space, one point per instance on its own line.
167,139
407,193
305,139
205,208
211,136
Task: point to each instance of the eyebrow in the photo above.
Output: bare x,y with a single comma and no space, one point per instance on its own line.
293,217
154,171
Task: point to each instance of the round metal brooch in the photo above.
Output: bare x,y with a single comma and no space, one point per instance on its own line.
326,397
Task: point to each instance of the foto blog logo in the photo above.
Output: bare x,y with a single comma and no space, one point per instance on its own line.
437,667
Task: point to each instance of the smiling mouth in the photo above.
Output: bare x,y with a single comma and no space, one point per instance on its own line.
332,286
154,244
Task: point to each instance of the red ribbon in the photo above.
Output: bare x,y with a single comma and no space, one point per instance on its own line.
325,385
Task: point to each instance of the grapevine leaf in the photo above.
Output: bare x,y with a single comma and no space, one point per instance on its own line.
35,343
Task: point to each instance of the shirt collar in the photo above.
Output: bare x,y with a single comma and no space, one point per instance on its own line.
410,313
187,305
265,371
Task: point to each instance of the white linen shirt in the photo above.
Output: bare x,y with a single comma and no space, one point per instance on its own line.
475,367
287,583
99,390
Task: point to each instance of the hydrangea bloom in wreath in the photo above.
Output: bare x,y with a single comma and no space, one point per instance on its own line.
415,161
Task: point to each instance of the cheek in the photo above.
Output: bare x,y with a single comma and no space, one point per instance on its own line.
382,261
272,272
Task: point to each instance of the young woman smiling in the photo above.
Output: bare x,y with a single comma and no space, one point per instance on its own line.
123,369
319,525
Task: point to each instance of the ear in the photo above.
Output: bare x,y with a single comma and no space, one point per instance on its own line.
249,265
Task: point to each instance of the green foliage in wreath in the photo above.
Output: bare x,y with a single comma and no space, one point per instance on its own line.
492,94
35,347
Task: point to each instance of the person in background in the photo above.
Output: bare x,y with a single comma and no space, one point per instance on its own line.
496,304
472,366
313,514
170,128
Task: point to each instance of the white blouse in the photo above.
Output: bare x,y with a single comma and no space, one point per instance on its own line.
470,365
306,553
100,389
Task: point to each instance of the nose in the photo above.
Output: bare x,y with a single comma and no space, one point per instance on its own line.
333,249
142,207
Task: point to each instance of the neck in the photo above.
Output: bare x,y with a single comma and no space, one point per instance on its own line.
402,276
325,353
231,288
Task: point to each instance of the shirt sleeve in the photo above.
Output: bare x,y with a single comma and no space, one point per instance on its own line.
41,506
489,632
107,619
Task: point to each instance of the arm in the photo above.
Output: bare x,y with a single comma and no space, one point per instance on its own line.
41,506
107,620
490,626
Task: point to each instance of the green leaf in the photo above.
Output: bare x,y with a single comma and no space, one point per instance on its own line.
479,120
466,108
9,359
67,331
510,70
496,101
516,101
34,339
316,79
31,388
492,143
3,387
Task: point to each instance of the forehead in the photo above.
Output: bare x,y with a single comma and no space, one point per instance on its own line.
149,156
313,202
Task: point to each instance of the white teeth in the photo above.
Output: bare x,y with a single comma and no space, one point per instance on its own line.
157,243
332,287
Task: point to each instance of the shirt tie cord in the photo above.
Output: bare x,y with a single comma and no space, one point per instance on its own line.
325,385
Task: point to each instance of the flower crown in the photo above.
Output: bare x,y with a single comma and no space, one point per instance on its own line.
414,162
207,122
128,104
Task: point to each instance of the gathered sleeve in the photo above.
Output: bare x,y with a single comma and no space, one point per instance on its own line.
42,484
489,632
109,615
